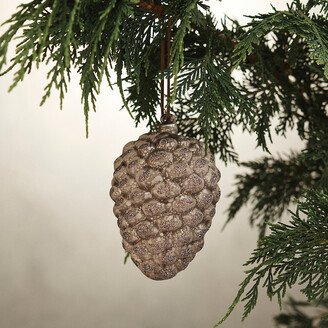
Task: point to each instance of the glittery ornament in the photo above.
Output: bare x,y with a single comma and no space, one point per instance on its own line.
165,188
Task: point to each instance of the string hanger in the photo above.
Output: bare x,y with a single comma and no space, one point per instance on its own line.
165,64
158,10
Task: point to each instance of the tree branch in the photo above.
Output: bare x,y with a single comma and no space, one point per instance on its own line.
156,9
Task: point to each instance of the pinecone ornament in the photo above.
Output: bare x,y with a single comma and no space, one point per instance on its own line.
165,188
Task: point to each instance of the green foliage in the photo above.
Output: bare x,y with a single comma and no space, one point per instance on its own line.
94,36
283,75
297,317
94,58
186,10
67,34
126,257
272,185
289,87
293,253
286,84
209,97
138,53
312,29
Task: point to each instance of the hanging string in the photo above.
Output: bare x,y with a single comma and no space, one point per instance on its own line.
168,95
162,71
165,110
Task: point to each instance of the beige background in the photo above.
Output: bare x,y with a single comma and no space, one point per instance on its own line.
61,260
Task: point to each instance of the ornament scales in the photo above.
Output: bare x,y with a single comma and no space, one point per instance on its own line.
165,188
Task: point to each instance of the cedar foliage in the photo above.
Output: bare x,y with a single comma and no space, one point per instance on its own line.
296,315
282,57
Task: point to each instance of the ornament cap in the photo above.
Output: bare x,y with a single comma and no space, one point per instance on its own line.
171,128
168,124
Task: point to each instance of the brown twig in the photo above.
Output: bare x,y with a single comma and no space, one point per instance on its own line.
158,10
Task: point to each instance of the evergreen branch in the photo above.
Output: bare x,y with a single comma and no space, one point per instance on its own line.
139,54
284,82
209,102
143,100
314,32
59,74
272,185
102,42
177,57
92,35
49,22
294,253
314,4
126,257
18,21
241,291
296,316
155,8
207,93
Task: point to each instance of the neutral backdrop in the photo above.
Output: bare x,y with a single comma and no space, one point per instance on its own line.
61,260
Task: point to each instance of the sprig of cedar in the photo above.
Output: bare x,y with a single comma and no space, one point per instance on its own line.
296,314
293,85
293,253
94,36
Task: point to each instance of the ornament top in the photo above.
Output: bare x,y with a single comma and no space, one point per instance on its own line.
169,128
168,124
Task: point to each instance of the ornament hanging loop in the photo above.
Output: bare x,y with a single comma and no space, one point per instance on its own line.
166,116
